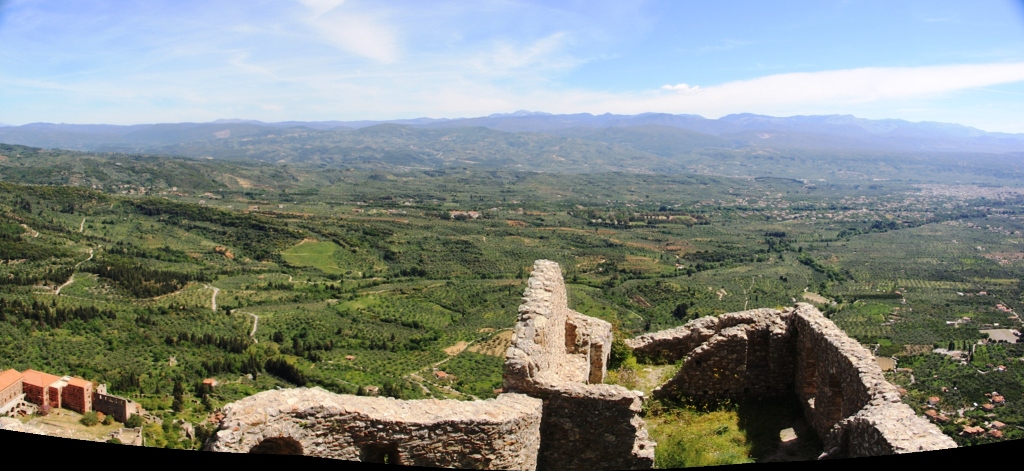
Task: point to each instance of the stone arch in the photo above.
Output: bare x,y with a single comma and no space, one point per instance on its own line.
383,453
277,446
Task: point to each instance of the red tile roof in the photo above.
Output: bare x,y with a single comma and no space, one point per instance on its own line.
973,430
8,378
39,379
79,382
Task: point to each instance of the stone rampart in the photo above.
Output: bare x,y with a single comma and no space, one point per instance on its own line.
556,414
561,356
747,353
502,433
846,399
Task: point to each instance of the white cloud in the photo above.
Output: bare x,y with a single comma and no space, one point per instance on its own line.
682,88
319,7
833,88
351,31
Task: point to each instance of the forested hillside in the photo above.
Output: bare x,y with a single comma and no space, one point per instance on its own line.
150,273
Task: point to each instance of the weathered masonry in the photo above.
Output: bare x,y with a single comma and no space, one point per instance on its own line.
561,356
502,433
556,414
761,352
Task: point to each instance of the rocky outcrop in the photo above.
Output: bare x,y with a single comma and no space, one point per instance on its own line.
502,433
15,425
561,356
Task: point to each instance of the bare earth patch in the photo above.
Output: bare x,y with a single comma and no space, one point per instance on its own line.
494,346
886,364
815,298
242,182
1005,258
456,349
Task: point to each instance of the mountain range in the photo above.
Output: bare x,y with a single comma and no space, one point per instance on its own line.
735,145
816,132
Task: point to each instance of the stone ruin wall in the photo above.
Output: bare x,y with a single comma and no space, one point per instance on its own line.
118,407
556,414
845,397
561,356
747,353
502,433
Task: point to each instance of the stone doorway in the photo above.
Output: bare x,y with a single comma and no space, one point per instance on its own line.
277,446
380,453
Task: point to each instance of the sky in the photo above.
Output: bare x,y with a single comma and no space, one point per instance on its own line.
129,62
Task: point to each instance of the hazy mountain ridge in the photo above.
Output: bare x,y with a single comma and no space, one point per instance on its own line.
844,131
744,145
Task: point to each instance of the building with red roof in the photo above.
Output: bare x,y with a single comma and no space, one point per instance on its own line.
10,386
41,388
77,395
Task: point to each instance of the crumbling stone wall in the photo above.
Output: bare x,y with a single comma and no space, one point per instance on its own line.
118,407
846,399
561,356
502,433
747,353
556,414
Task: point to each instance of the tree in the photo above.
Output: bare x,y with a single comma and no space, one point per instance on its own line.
89,419
134,421
108,420
681,310
619,354
114,440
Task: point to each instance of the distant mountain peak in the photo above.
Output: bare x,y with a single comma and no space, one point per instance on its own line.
237,121
519,114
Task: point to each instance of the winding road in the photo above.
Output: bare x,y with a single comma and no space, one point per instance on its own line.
255,323
72,278
213,299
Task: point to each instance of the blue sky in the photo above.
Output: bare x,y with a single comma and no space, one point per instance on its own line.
120,62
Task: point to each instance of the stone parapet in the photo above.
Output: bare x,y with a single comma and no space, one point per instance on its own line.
502,433
847,399
671,345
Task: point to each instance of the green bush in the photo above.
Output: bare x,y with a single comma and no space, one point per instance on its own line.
134,421
89,419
